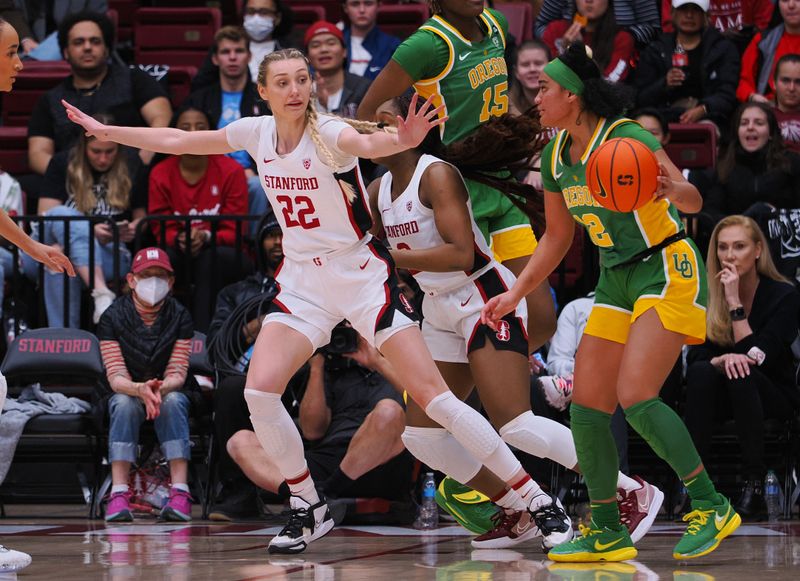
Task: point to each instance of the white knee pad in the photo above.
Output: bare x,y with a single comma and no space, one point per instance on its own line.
541,437
276,431
437,448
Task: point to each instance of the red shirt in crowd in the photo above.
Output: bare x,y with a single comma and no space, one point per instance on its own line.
790,128
222,190
727,14
748,78
621,57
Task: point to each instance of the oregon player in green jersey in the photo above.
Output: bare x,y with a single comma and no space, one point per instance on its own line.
650,301
457,56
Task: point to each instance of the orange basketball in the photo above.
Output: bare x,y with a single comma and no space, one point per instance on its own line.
622,174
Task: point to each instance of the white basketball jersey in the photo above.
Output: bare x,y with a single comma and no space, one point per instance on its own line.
308,201
409,224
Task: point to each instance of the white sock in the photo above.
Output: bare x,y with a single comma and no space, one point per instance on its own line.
532,494
627,483
181,486
511,501
278,435
119,488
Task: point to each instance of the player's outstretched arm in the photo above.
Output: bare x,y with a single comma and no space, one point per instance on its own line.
548,255
160,139
673,186
391,82
51,257
410,133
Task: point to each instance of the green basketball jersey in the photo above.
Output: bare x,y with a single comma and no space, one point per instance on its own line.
469,78
619,235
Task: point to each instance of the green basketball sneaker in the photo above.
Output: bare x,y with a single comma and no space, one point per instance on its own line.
471,509
708,525
593,571
595,545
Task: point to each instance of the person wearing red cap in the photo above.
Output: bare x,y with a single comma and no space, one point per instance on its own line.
338,91
145,338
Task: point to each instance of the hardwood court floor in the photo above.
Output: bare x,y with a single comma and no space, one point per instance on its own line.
81,550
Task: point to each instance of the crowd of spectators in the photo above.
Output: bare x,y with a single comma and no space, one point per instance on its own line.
733,64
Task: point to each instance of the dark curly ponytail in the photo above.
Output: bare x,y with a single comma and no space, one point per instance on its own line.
599,96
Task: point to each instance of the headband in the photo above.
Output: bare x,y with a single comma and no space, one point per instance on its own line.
557,70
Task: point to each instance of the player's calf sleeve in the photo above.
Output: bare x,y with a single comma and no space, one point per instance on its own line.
666,434
276,431
474,433
596,450
542,437
437,448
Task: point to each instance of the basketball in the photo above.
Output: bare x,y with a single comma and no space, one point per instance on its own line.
622,174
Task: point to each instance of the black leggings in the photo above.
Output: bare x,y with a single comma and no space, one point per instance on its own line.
711,396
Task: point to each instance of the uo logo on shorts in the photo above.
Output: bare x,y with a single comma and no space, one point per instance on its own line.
683,265
503,331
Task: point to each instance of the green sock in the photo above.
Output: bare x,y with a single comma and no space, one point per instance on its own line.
667,435
700,487
597,452
605,515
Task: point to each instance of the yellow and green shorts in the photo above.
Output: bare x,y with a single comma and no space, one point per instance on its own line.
505,227
672,281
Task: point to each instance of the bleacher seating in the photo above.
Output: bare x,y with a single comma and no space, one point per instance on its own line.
36,78
520,19
174,36
124,9
401,20
332,9
14,150
304,16
692,145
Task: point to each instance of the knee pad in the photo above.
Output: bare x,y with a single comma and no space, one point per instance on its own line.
468,426
437,448
541,437
263,404
266,413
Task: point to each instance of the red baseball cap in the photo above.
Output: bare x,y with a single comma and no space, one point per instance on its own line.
148,257
322,27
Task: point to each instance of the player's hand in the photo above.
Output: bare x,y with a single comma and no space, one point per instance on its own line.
92,126
413,129
498,307
51,257
666,187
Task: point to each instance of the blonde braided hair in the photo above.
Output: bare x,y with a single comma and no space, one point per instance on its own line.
312,119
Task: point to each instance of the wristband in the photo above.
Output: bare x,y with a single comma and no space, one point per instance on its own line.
757,355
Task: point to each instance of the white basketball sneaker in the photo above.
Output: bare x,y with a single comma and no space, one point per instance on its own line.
11,560
306,523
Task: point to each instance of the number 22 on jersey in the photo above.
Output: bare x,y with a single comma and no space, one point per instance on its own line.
298,211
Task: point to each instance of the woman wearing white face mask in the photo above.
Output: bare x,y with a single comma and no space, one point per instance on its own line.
268,24
145,339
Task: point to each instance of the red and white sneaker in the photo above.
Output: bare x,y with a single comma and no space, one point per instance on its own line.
638,509
511,529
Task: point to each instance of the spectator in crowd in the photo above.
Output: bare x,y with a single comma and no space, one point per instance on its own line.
238,313
338,91
737,20
652,120
96,85
368,47
145,339
531,58
595,24
689,75
92,178
200,185
757,80
233,96
355,417
11,13
639,17
787,99
745,368
268,24
755,169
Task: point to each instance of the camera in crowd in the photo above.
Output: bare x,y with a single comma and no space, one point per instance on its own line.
344,339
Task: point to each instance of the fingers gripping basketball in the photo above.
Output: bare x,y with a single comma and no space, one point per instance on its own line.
622,174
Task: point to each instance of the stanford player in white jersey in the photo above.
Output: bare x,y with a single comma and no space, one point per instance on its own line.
332,271
423,209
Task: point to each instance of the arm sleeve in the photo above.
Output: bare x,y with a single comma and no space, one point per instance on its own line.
564,344
646,21
749,70
41,123
423,55
720,97
778,331
758,12
145,88
621,57
650,79
548,181
244,134
113,360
